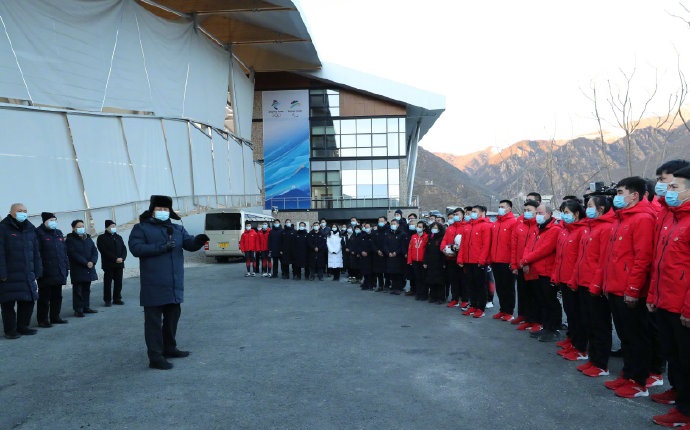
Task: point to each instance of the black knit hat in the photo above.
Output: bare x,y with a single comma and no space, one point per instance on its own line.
45,216
163,202
109,222
398,211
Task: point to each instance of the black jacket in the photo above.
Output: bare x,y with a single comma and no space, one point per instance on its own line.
361,243
435,260
111,246
395,242
53,255
81,250
316,239
20,261
287,239
298,249
377,242
275,241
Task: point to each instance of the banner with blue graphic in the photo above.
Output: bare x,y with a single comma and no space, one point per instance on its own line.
286,149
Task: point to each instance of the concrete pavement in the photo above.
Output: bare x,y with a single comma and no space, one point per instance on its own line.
273,354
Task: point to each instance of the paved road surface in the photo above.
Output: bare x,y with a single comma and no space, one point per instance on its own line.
272,354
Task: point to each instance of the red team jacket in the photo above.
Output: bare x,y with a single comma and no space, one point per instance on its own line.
476,243
630,251
415,251
262,243
670,285
567,247
540,251
593,244
458,228
249,241
522,232
502,238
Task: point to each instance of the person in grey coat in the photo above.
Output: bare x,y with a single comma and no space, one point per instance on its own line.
158,243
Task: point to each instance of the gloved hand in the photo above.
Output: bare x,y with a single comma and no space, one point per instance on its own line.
170,245
201,238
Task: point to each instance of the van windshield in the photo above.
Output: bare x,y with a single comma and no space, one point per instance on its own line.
223,221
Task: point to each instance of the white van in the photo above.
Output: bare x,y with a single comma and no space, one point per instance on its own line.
224,228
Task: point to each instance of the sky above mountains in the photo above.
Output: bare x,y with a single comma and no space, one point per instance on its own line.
510,70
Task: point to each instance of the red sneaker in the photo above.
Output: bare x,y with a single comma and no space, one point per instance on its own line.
564,343
478,314
655,380
469,312
518,320
632,390
523,326
613,385
575,355
499,316
672,419
507,318
583,367
464,305
668,397
452,303
594,371
535,328
565,351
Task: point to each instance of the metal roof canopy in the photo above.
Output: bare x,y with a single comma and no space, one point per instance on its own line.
264,35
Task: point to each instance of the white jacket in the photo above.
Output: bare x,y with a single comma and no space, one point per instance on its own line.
335,251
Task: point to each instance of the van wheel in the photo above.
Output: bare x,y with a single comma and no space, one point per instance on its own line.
222,259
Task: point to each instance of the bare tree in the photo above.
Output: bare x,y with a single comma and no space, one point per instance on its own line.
602,143
628,120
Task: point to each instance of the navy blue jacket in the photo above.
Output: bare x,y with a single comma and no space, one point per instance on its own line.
315,239
53,255
162,270
20,261
80,251
299,249
275,241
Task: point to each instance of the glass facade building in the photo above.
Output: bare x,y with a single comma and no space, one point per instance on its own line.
355,161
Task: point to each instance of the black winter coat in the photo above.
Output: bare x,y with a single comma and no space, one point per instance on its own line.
53,255
345,243
298,249
315,239
287,240
395,242
20,261
81,250
111,247
275,241
378,263
434,260
361,243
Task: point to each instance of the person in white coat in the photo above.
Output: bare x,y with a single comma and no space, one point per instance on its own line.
335,252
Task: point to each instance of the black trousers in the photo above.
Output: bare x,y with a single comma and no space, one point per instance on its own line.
658,364
112,278
632,326
81,296
297,271
411,276
315,269
548,304
284,266
422,289
675,341
530,304
160,329
49,301
397,281
20,320
369,282
505,287
596,318
571,307
479,294
454,278
335,271
276,261
522,294
379,280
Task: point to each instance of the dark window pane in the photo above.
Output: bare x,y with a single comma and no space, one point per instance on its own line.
318,178
223,221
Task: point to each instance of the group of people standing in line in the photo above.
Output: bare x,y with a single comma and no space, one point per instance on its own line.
619,257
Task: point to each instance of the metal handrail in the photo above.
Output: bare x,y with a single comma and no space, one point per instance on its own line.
286,203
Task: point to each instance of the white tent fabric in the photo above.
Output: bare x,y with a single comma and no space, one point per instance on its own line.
236,168
221,164
112,53
202,163
242,90
177,138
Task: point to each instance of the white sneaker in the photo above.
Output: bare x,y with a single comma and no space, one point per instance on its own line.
490,305
246,275
253,274
457,305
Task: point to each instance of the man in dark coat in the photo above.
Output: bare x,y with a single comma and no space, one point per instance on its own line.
20,266
158,243
395,248
113,254
275,246
434,263
298,251
55,269
285,246
378,264
318,253
83,257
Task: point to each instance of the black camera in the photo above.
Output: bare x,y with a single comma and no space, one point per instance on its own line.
600,189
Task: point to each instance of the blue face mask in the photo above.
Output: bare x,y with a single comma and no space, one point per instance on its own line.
456,218
161,215
672,199
288,224
502,211
434,230
568,218
467,218
420,230
276,225
367,230
619,202
21,216
302,228
411,224
81,230
451,222
358,231
474,215
541,219
660,189
528,215
394,227
113,230
353,223
591,213
315,228
52,225
381,224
